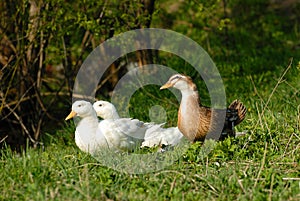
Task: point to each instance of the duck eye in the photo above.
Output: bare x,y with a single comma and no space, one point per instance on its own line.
176,77
100,105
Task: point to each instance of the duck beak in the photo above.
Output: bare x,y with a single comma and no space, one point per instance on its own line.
71,115
165,86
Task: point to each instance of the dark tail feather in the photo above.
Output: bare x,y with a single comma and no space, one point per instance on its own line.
241,111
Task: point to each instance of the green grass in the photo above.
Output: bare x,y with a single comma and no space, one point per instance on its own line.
263,165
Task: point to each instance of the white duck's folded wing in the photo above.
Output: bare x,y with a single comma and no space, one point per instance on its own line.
131,127
119,135
157,135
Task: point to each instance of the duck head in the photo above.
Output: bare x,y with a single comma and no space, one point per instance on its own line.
105,110
82,109
180,82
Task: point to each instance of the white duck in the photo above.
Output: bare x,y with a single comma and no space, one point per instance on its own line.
154,133
124,133
194,120
88,137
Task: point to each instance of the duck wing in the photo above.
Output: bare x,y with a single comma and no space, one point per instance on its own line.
131,127
119,134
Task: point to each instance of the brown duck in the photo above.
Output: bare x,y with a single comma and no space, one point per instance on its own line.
196,121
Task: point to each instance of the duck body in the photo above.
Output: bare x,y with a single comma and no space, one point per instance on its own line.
134,130
87,136
186,118
117,136
196,121
124,133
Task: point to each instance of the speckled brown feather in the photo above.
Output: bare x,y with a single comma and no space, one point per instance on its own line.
241,111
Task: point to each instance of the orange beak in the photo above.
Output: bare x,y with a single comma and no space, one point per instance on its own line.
165,86
71,115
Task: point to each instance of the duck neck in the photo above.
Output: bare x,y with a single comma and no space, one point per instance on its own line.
189,103
88,125
189,115
115,115
112,115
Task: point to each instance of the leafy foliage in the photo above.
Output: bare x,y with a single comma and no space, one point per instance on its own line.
43,44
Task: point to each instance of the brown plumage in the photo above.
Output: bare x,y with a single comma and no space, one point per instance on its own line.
196,121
